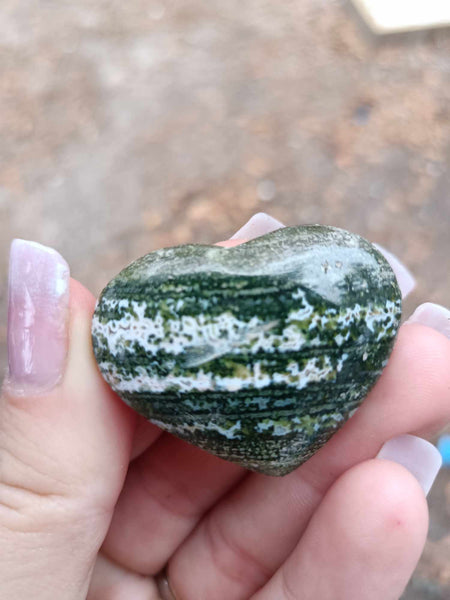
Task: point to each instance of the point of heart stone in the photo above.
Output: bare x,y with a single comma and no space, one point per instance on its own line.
256,353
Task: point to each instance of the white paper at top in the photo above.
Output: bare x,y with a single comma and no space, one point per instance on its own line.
388,16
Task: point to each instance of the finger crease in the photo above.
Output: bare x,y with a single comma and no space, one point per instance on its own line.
288,592
242,564
175,500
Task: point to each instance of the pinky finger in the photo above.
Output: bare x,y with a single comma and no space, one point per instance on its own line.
362,543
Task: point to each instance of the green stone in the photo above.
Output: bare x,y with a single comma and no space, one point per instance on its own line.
256,353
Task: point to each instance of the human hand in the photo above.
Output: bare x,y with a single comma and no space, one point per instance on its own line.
95,501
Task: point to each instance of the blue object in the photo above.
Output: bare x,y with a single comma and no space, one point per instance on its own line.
444,448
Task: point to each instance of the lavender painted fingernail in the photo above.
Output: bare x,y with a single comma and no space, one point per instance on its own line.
259,224
37,316
417,455
405,279
432,315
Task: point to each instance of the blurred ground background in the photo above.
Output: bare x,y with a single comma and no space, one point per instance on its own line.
127,126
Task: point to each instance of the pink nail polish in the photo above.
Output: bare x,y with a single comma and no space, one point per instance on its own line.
259,224
37,316
432,315
417,455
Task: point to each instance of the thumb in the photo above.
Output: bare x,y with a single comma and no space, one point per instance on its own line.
64,436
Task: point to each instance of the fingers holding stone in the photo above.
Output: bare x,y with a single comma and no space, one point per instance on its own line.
411,396
362,543
167,491
252,531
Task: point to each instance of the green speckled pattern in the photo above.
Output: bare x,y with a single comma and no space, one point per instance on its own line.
256,353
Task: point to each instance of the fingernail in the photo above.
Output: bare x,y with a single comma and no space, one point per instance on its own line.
420,457
37,316
432,315
259,224
405,279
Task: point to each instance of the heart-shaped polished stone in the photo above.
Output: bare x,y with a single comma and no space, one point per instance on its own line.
256,353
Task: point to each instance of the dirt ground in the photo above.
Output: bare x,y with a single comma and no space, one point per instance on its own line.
127,126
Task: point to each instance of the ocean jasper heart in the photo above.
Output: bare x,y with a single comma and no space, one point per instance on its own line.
256,353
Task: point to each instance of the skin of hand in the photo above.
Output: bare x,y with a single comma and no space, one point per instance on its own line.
95,501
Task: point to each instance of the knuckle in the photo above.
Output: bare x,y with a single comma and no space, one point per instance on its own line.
35,496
